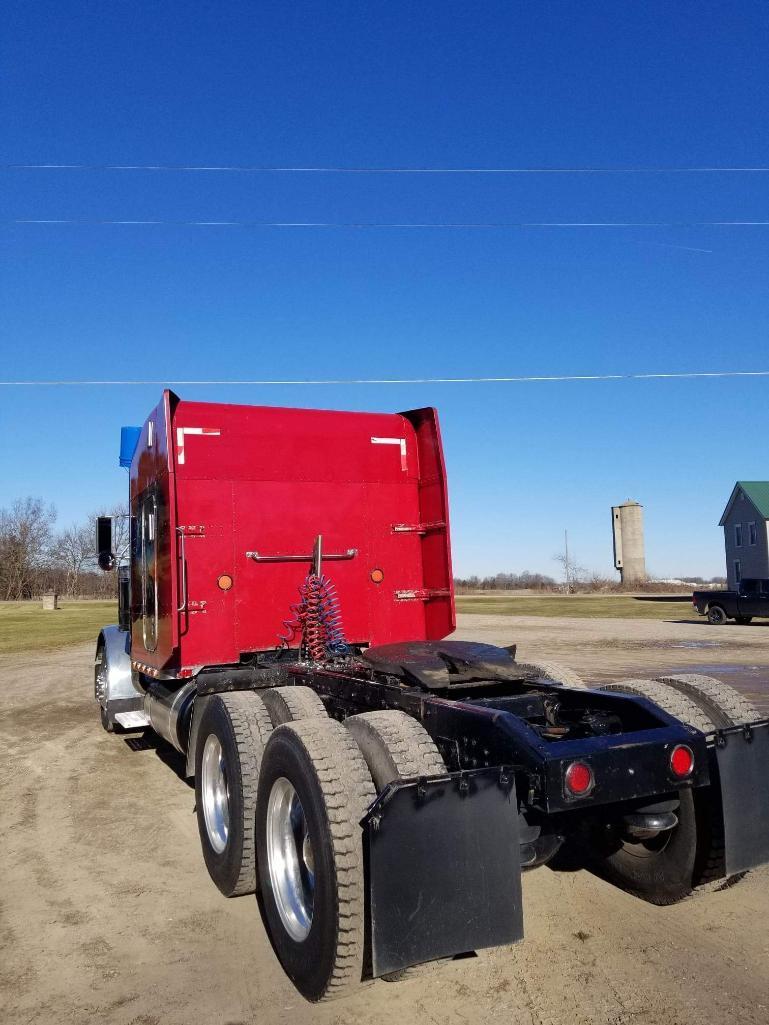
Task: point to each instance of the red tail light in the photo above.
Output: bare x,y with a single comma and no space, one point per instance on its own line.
681,761
579,779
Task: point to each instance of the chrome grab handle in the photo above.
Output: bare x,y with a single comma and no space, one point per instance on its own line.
183,606
349,554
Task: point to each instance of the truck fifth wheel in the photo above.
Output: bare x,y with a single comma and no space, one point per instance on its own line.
282,623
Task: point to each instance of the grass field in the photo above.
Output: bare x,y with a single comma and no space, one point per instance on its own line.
603,606
25,627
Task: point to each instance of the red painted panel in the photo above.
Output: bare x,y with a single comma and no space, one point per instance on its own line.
269,480
207,623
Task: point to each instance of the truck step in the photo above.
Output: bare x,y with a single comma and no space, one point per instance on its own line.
131,720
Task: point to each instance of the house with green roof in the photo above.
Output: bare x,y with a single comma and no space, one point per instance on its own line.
746,534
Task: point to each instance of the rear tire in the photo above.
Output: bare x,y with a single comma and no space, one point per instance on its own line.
230,743
289,704
716,615
660,871
553,671
670,700
722,702
396,746
663,870
314,789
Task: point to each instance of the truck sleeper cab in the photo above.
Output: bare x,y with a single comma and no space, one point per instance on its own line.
284,628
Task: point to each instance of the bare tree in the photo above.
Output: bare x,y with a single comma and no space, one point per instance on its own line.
73,551
25,535
573,574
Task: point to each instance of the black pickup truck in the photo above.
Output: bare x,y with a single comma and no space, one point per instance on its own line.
749,600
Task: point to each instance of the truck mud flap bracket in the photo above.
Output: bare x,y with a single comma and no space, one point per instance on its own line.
740,765
443,868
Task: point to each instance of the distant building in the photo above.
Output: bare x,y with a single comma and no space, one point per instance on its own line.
627,526
745,531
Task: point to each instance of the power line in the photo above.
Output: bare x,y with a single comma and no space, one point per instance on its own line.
541,378
266,169
371,225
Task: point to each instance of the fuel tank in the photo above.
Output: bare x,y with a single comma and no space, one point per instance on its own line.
169,710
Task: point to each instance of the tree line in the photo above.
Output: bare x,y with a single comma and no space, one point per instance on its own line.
578,580
508,582
35,557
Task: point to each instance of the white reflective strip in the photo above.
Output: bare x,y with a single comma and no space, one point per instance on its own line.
180,433
393,441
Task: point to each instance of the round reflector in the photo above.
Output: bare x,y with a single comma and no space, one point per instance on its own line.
225,581
579,778
377,576
681,760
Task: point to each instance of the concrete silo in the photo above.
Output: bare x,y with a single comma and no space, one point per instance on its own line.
627,523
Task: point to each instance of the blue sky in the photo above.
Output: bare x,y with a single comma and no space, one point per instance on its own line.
415,85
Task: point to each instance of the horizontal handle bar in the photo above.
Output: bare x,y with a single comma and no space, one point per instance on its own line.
349,554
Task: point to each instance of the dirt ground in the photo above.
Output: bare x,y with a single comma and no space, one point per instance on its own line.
613,649
107,914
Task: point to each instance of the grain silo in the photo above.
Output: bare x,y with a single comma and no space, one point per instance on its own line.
628,529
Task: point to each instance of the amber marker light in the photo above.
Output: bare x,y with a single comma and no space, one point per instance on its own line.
377,575
225,582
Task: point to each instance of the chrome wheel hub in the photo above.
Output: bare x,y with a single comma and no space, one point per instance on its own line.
215,794
290,859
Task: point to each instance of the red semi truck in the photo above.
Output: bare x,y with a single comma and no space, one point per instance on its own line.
282,623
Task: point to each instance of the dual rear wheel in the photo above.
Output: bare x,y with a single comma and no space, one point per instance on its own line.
281,790
690,857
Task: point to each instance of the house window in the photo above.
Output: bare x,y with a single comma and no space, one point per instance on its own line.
737,571
738,535
751,533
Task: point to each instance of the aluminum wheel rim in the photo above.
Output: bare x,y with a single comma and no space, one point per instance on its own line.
215,794
290,859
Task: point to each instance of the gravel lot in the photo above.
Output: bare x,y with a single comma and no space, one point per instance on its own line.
107,914
613,649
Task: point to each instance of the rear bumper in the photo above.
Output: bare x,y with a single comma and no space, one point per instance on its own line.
443,868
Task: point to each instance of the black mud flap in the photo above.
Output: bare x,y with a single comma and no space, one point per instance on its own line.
444,874
740,764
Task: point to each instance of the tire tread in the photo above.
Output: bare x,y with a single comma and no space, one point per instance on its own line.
553,671
347,791
289,704
714,697
669,700
251,727
408,743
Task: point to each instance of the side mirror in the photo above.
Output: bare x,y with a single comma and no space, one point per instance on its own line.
104,554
